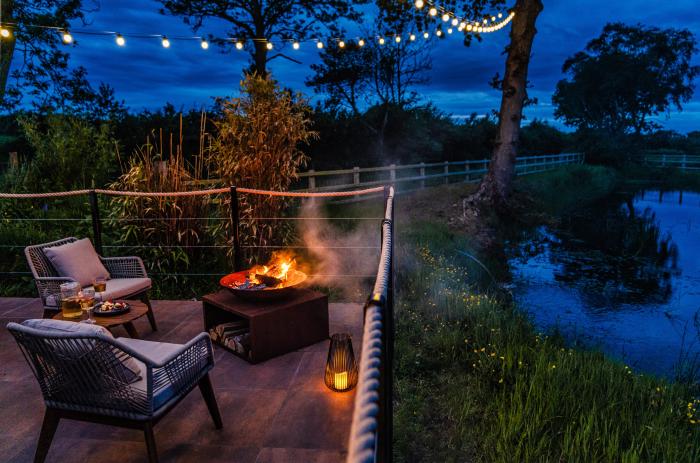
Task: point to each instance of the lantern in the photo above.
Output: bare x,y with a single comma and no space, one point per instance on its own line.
341,367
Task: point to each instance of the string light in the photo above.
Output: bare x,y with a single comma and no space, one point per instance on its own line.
432,11
426,35
121,41
412,37
5,32
455,21
449,30
165,42
239,45
319,44
204,44
445,17
341,44
438,33
295,45
269,45
361,42
500,15
419,4
67,38
382,41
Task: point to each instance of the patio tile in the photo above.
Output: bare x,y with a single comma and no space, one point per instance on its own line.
326,418
232,372
287,455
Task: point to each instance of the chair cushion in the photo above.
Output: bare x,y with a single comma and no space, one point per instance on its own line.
156,351
77,260
119,288
130,368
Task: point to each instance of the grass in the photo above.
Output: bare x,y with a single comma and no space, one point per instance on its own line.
476,382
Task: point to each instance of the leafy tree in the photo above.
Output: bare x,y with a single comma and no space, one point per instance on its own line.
625,76
256,21
40,68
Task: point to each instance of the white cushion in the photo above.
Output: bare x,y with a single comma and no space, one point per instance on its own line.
119,288
131,371
77,260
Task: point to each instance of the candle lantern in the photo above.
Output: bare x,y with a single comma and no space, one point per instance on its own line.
341,367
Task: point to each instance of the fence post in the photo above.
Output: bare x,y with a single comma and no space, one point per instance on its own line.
422,174
467,168
392,173
312,180
389,346
446,170
685,157
235,225
356,175
96,224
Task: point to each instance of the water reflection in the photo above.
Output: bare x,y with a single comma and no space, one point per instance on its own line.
623,274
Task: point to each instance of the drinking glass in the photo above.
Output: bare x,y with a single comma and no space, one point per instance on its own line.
100,285
87,302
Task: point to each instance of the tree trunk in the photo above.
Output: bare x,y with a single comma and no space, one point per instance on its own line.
260,58
496,185
7,47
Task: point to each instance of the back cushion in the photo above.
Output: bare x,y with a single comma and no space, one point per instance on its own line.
77,260
129,367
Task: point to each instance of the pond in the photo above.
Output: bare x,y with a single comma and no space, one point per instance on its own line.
622,275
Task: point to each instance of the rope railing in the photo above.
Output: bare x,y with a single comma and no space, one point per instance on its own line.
371,428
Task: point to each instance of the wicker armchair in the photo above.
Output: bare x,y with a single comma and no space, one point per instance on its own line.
82,377
48,282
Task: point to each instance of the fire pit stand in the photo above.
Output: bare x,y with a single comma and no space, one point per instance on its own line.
276,327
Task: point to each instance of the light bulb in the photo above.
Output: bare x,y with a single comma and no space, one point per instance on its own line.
449,30
269,45
204,45
67,38
341,44
455,21
5,32
419,4
469,27
295,45
361,42
165,42
481,29
239,45
426,35
381,41
398,39
500,15
445,17
319,44
493,19
485,21
438,33
432,11
121,41
412,37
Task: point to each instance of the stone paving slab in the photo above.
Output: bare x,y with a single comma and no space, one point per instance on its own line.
277,411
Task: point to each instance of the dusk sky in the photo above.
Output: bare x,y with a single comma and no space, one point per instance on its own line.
145,75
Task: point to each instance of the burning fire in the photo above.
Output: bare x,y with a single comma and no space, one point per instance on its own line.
275,273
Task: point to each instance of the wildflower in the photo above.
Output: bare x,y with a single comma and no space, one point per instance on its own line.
502,357
553,366
500,381
493,354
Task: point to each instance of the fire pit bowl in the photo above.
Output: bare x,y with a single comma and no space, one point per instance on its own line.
235,282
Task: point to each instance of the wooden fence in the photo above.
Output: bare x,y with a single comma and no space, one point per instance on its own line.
678,161
414,176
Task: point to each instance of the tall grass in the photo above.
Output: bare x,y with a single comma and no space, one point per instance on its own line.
476,382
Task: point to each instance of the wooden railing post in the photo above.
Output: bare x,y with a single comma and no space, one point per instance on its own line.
235,230
467,175
392,173
356,175
312,180
96,223
446,171
422,174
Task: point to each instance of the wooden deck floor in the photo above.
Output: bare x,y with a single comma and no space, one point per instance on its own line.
276,411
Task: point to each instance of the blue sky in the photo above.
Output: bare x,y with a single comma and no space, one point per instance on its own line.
145,75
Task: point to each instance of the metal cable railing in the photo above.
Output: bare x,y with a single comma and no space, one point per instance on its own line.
371,429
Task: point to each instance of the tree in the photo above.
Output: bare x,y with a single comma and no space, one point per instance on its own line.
42,73
258,22
625,76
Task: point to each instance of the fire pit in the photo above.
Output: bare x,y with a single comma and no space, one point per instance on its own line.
275,280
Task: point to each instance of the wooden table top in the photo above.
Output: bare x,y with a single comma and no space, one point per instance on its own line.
138,309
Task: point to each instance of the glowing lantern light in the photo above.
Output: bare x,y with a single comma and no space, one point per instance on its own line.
341,367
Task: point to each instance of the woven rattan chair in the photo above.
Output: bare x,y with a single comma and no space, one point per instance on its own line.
82,377
48,281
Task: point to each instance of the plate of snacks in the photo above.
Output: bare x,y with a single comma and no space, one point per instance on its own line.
110,309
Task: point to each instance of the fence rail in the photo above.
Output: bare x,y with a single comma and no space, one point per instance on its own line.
412,176
678,161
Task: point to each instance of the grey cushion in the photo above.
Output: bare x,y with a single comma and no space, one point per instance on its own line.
77,260
119,288
131,369
157,352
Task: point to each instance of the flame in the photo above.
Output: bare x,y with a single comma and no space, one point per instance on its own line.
278,268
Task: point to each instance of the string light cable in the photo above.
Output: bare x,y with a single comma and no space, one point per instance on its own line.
488,24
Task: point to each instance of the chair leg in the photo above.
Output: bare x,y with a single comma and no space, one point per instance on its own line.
210,399
48,429
151,317
150,442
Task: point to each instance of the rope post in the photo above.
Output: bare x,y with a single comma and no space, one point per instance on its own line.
235,227
96,224
388,396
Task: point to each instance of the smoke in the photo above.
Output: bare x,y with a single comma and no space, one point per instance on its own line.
341,259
